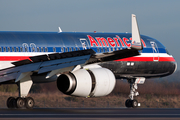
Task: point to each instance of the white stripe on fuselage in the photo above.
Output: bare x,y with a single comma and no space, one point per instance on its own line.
7,64
40,53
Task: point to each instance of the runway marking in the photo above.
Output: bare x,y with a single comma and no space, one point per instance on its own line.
90,114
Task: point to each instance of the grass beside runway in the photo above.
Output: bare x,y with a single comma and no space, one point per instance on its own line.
59,100
152,95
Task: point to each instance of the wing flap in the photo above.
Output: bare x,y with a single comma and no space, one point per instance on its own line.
39,58
22,62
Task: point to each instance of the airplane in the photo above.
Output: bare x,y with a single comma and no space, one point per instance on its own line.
83,64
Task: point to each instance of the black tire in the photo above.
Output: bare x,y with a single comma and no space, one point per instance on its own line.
128,103
29,103
20,102
134,103
11,102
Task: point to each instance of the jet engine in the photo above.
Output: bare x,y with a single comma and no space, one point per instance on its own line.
87,83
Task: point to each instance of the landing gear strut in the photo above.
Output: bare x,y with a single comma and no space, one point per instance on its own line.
20,102
132,102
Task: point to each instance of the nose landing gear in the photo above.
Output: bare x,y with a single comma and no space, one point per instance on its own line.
133,87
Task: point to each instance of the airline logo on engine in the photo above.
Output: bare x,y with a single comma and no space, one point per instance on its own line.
111,42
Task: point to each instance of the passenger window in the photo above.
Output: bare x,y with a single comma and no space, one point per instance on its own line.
38,50
17,49
98,50
62,49
33,49
109,49
9,49
46,49
42,50
54,49
102,50
66,49
26,50
21,49
0,49
106,50
4,49
78,49
70,49
74,49
13,50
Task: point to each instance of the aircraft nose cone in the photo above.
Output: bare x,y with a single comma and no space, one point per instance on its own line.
175,68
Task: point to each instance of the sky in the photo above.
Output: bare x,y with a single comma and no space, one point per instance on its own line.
159,19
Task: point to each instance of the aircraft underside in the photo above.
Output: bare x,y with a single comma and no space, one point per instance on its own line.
132,69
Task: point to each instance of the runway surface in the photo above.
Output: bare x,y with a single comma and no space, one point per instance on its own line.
90,113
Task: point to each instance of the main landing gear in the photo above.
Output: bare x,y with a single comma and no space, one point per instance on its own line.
133,87
20,102
24,83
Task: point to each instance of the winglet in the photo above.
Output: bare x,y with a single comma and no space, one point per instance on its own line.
136,39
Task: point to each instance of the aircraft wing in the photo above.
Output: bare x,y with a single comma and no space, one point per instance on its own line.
59,63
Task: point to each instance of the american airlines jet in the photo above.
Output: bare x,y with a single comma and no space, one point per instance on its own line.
83,64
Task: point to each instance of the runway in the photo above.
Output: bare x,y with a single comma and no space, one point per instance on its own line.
90,113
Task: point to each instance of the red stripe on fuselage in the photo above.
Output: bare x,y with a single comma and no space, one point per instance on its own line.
19,58
13,58
147,59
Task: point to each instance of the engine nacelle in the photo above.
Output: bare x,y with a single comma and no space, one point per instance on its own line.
87,83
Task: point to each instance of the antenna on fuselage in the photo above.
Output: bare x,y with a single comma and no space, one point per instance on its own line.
59,30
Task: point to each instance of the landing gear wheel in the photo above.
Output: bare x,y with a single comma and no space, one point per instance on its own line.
128,103
131,103
29,103
11,102
20,102
134,103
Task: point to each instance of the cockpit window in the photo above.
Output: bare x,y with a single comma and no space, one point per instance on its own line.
167,52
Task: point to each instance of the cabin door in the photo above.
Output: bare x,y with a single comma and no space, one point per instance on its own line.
155,51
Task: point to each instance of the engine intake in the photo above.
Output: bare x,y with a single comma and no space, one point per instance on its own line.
87,83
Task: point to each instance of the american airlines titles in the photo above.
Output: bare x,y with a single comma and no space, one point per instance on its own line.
111,42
